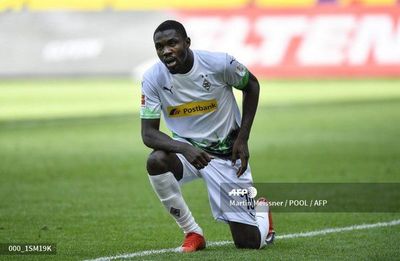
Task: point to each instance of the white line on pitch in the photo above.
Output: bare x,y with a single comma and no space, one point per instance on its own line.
288,236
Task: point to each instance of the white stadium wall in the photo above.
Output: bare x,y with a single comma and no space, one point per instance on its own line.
75,43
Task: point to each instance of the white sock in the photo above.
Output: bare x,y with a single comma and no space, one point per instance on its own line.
263,223
168,191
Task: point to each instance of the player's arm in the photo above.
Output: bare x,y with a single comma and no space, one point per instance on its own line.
153,138
249,107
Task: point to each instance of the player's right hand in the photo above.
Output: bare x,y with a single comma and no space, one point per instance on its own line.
197,157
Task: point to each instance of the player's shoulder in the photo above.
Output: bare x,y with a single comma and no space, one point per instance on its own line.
210,56
155,71
156,74
211,60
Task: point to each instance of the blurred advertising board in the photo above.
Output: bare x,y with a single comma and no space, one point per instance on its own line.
274,42
322,41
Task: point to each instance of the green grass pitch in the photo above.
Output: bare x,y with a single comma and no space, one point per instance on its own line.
72,169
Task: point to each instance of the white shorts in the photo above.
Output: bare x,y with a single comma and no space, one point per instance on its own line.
220,177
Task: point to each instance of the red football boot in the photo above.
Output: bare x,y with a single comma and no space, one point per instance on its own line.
193,242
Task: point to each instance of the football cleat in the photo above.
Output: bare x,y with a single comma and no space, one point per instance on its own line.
271,232
193,242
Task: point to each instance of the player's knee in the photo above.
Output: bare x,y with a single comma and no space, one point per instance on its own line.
245,236
157,162
251,244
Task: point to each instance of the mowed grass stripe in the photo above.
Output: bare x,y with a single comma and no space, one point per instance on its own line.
288,236
77,98
91,118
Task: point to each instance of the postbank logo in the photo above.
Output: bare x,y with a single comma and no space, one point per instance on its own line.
192,108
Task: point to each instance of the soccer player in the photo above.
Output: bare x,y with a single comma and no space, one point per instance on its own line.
193,91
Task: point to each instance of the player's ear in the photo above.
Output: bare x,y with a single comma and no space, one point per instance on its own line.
187,41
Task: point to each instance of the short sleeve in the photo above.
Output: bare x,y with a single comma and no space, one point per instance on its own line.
236,74
150,102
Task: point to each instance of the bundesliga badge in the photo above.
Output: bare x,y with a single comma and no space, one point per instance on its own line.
240,69
143,100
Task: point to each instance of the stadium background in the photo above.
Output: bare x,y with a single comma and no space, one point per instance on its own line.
295,38
72,164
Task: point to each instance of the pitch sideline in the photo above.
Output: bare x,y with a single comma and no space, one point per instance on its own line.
288,236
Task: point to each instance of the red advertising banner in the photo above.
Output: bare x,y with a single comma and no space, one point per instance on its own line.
324,41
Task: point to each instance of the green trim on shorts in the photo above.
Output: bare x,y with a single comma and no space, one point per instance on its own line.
221,147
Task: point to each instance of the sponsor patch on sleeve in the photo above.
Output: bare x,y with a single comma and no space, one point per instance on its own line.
240,69
143,100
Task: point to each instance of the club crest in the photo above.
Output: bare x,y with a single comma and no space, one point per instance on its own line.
206,84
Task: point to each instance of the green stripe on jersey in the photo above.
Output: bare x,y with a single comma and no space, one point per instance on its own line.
243,82
146,113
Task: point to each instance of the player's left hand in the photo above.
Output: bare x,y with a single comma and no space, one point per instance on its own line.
240,151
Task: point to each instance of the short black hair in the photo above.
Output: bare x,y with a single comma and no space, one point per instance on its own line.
171,24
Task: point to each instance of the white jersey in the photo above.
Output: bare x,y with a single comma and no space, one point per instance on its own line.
198,106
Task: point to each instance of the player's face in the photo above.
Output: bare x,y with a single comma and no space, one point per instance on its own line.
173,50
